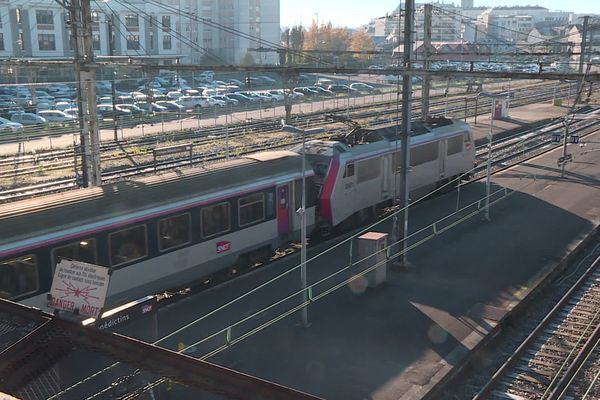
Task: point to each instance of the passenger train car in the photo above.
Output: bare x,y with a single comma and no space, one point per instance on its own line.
164,231
157,232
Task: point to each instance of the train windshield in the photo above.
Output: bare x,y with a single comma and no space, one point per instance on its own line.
320,169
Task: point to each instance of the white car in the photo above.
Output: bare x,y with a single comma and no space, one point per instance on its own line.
28,119
63,105
192,101
56,116
73,112
6,125
212,102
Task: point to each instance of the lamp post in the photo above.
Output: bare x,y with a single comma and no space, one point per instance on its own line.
302,212
493,97
489,164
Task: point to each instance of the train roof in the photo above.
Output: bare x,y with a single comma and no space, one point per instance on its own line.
381,137
22,219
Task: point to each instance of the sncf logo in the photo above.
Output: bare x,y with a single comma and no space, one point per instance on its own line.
222,247
147,308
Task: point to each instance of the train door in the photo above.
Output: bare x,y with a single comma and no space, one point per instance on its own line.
442,158
385,176
283,210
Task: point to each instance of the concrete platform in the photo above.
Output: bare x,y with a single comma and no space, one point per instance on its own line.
398,340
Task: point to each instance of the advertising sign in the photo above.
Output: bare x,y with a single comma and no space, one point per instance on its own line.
79,287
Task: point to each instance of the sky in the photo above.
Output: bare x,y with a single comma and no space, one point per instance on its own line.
353,13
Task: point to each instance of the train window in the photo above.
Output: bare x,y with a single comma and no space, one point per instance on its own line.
454,145
215,219
83,250
368,169
467,137
18,276
349,171
174,231
128,245
424,153
271,204
251,209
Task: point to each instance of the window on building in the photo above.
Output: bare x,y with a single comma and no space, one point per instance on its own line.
151,42
174,231
96,41
46,42
132,21
166,23
251,209
84,250
21,41
95,17
44,17
1,41
167,42
215,219
18,15
18,276
454,145
133,42
128,245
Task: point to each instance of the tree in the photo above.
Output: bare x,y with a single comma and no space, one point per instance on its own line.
248,60
361,41
296,42
326,38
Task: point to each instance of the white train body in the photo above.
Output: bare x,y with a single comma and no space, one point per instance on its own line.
356,177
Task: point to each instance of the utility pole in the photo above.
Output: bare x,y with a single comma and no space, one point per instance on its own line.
112,81
425,89
584,33
80,13
409,11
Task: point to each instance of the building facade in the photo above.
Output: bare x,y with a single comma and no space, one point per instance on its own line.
190,31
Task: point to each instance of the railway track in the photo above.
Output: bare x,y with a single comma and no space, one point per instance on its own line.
138,152
543,366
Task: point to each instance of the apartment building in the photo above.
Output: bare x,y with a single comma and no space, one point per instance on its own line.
193,31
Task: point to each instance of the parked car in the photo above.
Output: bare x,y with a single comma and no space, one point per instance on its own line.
171,106
305,91
322,91
362,87
338,88
235,82
275,94
212,102
74,112
9,126
135,110
239,97
55,116
266,79
28,119
106,111
192,102
227,100
63,105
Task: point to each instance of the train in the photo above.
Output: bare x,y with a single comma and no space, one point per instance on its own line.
164,231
